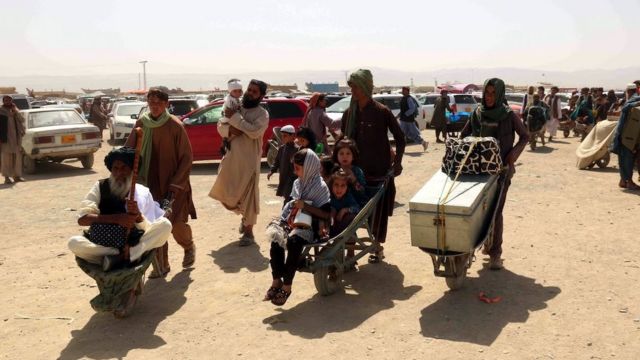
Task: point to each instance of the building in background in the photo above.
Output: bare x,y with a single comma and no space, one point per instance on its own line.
323,87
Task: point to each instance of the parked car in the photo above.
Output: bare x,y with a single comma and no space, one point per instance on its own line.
182,106
54,134
201,125
392,101
461,104
201,99
120,118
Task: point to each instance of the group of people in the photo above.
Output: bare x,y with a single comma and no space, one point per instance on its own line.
626,139
330,187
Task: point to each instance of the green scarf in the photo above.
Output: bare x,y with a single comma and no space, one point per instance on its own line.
363,79
149,124
485,120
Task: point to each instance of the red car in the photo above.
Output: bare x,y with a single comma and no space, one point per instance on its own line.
201,125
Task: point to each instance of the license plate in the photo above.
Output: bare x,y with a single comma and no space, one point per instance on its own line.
68,139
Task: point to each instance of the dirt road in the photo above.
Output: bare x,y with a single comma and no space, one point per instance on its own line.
570,286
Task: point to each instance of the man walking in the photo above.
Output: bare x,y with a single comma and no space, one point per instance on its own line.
367,122
408,112
165,166
236,186
439,120
555,112
12,130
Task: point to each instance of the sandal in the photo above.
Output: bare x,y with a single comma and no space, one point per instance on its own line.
280,297
272,292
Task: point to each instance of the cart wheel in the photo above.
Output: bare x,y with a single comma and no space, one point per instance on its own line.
459,263
328,279
566,133
604,161
272,153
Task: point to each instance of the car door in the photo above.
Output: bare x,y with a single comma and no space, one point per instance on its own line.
282,113
203,134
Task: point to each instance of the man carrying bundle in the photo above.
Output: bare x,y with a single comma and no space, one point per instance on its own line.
109,213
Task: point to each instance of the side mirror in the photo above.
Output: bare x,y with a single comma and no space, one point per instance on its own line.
134,116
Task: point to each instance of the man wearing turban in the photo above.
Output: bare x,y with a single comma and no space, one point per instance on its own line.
107,203
368,122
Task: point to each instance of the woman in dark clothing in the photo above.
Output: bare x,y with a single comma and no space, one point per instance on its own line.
493,118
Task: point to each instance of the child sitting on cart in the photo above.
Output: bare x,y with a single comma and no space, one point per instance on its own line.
344,207
345,154
311,195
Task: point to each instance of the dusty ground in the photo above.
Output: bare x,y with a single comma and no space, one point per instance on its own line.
570,287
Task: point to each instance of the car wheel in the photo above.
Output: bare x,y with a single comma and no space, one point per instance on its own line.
112,135
87,161
28,165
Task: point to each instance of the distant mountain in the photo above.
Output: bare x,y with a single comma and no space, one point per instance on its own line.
613,78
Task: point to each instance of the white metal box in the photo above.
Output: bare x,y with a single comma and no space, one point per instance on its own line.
466,211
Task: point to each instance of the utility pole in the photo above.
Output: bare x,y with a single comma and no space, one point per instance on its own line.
139,82
144,74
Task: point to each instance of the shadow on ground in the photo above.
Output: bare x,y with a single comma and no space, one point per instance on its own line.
232,258
376,287
66,169
461,316
104,337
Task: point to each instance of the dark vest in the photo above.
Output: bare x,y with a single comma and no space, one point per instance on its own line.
404,107
110,204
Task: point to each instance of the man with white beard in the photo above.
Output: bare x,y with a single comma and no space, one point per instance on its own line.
107,204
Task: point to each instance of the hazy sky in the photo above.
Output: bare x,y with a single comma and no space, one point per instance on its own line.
64,37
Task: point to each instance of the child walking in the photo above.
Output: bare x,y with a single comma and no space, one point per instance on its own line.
283,163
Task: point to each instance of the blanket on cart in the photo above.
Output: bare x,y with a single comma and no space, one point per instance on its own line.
115,283
596,144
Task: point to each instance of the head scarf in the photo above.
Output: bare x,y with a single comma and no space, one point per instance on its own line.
147,144
489,117
362,79
311,187
124,154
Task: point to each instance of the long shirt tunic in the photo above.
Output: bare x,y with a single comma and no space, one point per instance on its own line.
14,132
170,167
236,186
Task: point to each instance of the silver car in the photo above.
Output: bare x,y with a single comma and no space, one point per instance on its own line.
58,134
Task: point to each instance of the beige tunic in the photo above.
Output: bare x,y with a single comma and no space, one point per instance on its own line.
15,131
236,186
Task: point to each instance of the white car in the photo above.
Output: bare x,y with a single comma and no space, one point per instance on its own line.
58,134
392,101
120,118
463,104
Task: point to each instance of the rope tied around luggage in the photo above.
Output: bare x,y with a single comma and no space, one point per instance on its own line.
440,221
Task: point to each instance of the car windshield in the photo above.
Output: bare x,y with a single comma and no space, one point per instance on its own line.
129,109
208,115
430,100
340,106
54,118
464,99
179,108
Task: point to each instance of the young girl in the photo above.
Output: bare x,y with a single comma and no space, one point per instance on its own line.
311,195
345,154
344,207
